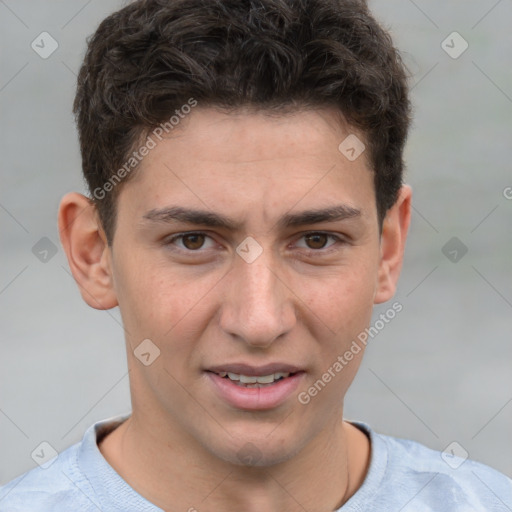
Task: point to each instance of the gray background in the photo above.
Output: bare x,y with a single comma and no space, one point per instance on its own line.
439,372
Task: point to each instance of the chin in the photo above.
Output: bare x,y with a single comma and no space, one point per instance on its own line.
256,451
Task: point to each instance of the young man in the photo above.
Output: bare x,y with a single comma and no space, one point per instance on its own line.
247,210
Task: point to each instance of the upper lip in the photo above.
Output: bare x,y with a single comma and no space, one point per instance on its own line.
254,371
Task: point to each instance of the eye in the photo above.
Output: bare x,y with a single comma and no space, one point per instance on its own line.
316,241
191,242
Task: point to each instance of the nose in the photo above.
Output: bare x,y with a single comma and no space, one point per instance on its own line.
257,307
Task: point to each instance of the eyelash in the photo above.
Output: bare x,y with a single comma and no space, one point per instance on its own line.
309,252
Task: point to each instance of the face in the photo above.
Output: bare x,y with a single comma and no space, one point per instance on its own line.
216,260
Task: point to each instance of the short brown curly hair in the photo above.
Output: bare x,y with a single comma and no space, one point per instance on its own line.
152,56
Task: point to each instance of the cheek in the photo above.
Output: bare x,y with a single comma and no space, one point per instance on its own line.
341,301
340,307
163,305
345,307
145,297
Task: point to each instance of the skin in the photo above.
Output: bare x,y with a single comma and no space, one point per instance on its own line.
208,306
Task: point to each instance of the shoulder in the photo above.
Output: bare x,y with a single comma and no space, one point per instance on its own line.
443,480
54,486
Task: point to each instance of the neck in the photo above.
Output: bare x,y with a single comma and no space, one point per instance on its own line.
170,472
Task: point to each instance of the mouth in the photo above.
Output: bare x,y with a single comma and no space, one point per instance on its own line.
251,381
255,388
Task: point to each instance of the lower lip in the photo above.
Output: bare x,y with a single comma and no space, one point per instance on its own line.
267,397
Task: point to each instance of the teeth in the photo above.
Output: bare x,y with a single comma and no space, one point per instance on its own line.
260,379
264,379
244,379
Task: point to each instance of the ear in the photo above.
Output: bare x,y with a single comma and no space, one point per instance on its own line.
392,245
88,253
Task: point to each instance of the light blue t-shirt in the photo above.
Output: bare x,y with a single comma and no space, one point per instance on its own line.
403,476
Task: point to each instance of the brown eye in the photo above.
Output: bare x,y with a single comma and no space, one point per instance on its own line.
316,240
193,241
188,243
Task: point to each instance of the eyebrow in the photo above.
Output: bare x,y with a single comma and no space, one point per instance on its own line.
217,220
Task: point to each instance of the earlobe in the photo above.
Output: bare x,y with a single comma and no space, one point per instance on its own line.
394,235
88,253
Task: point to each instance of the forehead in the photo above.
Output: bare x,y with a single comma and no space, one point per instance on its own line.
252,161
245,135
